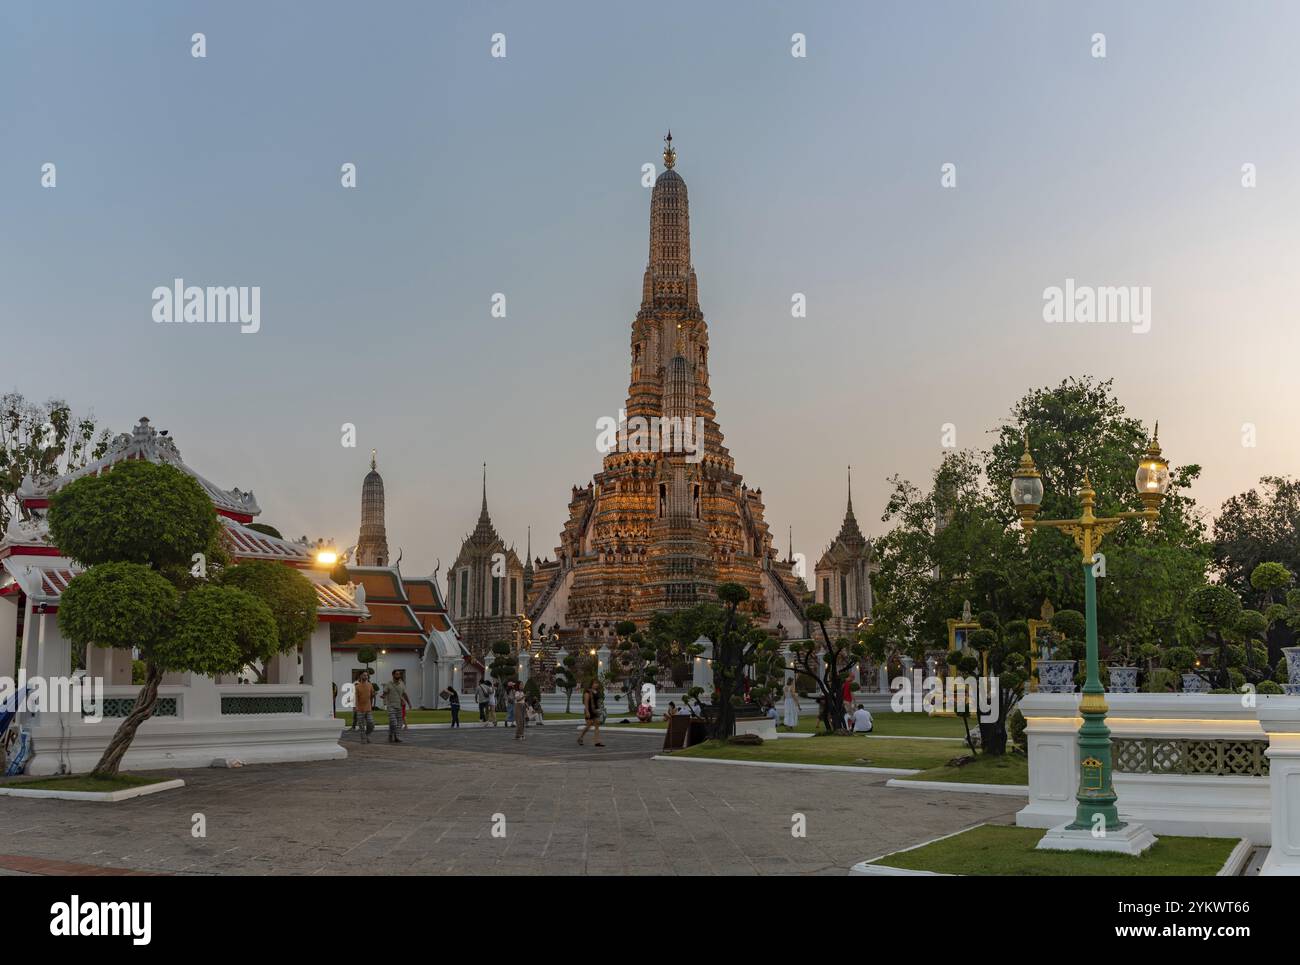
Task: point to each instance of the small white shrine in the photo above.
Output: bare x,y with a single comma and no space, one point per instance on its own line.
198,721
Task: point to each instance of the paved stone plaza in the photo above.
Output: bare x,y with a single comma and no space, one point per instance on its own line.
427,806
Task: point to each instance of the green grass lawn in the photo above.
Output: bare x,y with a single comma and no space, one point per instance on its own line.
851,751
900,725
468,716
886,725
1007,769
997,850
85,782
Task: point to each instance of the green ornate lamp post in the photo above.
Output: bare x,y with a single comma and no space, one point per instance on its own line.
1096,814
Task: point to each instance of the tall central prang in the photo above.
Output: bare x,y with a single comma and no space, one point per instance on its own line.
660,527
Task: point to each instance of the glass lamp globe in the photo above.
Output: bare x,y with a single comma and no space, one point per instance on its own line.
1152,477
1026,487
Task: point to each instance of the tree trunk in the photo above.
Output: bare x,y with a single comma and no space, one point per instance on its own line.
140,712
993,737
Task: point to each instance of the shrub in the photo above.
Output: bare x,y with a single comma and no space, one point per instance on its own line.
1016,728
745,740
1160,681
1269,687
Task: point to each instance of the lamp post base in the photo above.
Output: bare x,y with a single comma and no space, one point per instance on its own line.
1126,839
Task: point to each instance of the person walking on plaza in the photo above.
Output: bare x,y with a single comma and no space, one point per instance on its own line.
590,713
511,689
394,700
521,712
363,716
483,697
791,704
500,693
453,703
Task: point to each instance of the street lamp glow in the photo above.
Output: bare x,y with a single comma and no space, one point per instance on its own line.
1152,477
1027,488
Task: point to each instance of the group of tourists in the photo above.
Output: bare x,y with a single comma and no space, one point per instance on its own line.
856,721
395,704
520,706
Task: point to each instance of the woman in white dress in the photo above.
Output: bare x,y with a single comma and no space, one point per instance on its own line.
791,704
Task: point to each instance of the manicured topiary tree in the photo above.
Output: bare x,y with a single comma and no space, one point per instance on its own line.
740,645
1002,651
148,535
638,659
290,597
839,657
367,656
1217,610
566,678
504,668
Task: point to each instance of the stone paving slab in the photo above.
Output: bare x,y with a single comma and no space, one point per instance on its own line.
427,806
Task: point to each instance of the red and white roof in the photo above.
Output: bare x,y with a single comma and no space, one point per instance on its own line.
31,564
142,442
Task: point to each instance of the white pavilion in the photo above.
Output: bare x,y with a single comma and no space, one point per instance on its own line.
198,720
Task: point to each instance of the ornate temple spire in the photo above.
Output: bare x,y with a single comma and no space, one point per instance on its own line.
484,531
850,533
372,543
670,281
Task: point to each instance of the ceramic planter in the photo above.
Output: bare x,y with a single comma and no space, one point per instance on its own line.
1123,680
1056,676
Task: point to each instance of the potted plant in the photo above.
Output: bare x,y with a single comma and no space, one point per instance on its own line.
1183,660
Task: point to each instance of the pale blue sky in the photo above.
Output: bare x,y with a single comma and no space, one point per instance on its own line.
522,176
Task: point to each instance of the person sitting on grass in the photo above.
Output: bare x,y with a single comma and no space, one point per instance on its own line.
862,723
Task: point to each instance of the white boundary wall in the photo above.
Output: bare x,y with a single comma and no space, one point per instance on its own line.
1188,804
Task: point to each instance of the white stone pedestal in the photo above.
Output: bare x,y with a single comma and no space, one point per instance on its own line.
1280,719
1132,839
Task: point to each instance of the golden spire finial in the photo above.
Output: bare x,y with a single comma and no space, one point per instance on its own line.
670,154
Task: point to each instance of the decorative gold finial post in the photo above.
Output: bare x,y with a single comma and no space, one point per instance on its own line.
670,154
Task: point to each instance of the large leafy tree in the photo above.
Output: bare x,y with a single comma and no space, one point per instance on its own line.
838,658
137,529
1258,526
957,538
746,659
287,594
1076,429
41,438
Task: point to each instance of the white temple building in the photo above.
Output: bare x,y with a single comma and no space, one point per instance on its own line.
198,720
